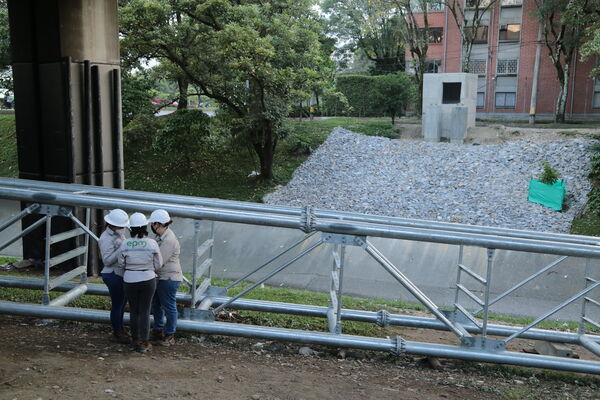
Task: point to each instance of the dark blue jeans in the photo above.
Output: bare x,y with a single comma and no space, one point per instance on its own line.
117,296
164,303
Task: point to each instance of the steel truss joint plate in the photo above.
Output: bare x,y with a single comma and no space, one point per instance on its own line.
347,240
52,210
198,315
216,291
483,343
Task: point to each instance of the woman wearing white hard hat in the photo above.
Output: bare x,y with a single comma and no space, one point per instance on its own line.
139,258
169,278
112,275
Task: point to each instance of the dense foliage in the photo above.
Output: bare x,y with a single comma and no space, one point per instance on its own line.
377,95
255,58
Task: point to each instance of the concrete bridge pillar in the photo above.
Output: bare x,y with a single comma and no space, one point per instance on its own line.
67,96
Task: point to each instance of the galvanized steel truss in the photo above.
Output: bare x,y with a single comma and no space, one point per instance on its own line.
338,230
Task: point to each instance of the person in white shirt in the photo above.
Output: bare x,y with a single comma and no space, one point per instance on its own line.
112,275
139,257
169,279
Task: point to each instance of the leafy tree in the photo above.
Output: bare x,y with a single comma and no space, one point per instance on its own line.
372,28
415,14
5,57
591,47
137,93
255,58
140,42
393,93
564,28
468,16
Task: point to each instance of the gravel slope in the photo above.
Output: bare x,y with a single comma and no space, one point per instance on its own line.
482,185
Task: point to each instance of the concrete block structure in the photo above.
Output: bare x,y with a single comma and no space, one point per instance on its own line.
503,58
449,102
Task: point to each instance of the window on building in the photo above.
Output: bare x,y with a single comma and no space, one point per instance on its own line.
451,92
480,36
477,3
505,99
436,5
510,32
433,66
510,3
481,86
480,99
506,91
596,98
507,67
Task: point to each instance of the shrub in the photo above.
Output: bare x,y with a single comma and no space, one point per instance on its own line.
359,90
335,103
187,135
550,175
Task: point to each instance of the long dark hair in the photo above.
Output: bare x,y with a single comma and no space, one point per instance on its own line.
139,231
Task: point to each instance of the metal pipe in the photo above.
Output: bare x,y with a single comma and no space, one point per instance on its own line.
69,296
395,345
16,217
408,285
46,295
325,225
268,276
590,345
320,312
97,126
85,228
23,233
117,136
554,310
456,238
488,281
523,282
88,142
296,211
243,278
79,200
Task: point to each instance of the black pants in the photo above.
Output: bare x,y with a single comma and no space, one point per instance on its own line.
140,295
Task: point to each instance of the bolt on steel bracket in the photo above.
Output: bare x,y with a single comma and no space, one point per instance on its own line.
483,343
348,240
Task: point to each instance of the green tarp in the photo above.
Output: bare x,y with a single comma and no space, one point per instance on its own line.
547,195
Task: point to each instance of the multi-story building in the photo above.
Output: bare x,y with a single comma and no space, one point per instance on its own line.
503,56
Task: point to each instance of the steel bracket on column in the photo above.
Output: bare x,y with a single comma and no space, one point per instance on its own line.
457,317
483,343
54,211
198,315
348,240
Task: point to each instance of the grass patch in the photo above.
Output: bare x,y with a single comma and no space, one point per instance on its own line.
224,173
8,146
588,224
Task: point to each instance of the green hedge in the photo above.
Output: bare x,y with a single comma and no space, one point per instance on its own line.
375,96
359,91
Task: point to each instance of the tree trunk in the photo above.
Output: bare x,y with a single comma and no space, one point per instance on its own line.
183,84
561,101
265,148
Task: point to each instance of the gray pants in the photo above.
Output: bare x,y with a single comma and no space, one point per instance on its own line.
139,295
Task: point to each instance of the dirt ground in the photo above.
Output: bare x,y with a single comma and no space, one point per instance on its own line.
47,359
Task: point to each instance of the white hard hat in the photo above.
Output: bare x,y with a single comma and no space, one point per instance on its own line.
117,217
138,219
160,216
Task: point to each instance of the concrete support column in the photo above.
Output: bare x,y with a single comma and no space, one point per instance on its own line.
67,96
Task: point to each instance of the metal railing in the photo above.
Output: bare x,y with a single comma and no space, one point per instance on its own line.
337,230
